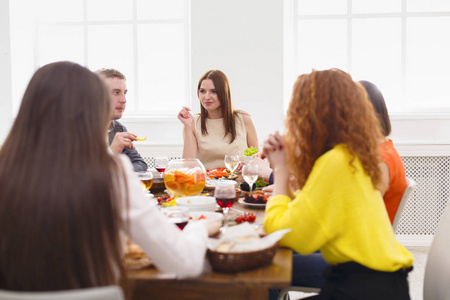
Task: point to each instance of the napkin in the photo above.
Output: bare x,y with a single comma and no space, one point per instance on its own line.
244,238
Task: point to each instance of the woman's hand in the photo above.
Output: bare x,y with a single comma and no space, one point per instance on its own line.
273,149
186,117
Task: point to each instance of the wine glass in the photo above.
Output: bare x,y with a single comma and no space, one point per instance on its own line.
146,178
178,215
231,162
250,174
161,164
225,196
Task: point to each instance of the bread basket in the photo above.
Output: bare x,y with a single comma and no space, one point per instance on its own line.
230,262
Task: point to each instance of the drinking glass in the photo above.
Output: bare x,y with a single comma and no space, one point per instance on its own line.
161,164
178,215
231,162
250,174
146,178
225,196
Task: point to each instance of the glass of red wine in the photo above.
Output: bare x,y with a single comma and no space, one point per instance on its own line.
225,196
161,164
178,215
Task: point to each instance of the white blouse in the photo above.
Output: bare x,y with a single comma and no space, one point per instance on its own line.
173,251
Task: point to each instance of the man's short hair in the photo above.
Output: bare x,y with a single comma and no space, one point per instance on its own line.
110,73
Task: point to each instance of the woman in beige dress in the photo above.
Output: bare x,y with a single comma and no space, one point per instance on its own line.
219,129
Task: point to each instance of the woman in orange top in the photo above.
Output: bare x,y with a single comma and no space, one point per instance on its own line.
393,172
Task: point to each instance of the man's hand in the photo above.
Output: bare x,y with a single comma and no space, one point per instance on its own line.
122,140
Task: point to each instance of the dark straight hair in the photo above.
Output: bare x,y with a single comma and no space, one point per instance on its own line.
222,87
59,208
377,100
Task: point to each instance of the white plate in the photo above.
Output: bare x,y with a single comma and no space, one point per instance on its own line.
241,201
212,183
198,203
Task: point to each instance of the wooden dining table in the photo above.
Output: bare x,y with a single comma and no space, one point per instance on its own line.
150,283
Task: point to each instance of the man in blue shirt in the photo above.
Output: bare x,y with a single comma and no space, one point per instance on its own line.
119,139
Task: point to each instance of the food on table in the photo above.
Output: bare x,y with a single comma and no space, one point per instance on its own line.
261,182
250,151
166,201
135,257
218,173
185,182
241,244
256,198
246,217
201,217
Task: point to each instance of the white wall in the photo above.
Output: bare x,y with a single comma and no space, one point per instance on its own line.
5,72
245,40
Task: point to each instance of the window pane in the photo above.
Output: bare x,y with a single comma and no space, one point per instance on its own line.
427,5
155,9
322,44
108,10
57,10
60,43
427,62
161,69
376,54
378,6
322,7
111,46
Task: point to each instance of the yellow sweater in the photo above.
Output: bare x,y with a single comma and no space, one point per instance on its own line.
341,213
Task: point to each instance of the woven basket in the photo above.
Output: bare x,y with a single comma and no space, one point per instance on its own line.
241,261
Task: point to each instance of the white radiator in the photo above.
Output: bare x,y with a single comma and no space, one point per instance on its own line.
423,211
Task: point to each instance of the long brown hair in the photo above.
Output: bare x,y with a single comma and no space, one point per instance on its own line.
328,108
222,87
59,208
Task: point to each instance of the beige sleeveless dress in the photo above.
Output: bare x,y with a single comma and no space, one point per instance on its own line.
213,147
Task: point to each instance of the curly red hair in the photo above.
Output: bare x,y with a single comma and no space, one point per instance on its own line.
328,108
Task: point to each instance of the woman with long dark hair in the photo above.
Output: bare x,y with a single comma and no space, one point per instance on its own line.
331,148
219,128
393,178
66,202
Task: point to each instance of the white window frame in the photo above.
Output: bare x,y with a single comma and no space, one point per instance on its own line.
136,113
291,50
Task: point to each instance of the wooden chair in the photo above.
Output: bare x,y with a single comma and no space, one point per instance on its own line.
97,293
411,186
437,270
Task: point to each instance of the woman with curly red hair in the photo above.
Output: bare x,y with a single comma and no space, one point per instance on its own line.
331,149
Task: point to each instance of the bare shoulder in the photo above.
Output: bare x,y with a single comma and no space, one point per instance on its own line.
245,115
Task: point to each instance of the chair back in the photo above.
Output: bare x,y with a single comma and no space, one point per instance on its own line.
97,293
437,270
410,187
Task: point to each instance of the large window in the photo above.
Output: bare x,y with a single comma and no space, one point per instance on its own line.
147,40
403,46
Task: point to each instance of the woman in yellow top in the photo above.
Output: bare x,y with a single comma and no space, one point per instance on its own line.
219,129
331,149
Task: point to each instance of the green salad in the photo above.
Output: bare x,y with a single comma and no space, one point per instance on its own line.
250,151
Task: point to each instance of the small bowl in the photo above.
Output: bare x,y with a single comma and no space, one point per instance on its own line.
158,185
208,215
